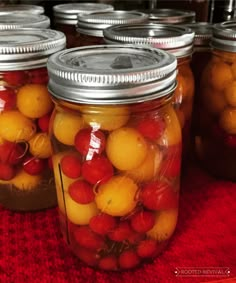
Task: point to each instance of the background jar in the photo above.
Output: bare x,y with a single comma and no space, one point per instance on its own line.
200,58
90,27
26,179
177,40
17,20
215,142
65,17
170,16
32,9
117,152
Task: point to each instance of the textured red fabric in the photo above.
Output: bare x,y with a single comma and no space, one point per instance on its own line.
32,249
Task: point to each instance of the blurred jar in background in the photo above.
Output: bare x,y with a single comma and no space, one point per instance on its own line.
26,179
16,20
32,9
200,58
170,16
65,17
90,27
215,141
117,152
177,40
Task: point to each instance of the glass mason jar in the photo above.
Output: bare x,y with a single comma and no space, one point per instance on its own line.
200,58
117,152
17,20
26,178
177,40
90,27
216,140
32,9
65,17
170,16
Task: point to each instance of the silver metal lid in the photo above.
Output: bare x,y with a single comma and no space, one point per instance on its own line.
67,13
171,16
176,39
224,36
33,9
111,74
22,49
203,33
94,23
18,20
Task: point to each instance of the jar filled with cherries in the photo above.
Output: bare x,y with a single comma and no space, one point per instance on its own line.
117,152
215,141
26,178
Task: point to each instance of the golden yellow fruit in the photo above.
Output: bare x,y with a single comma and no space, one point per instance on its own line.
25,181
106,117
164,226
14,126
66,126
221,75
228,120
126,148
172,134
117,197
79,214
230,94
33,100
40,145
149,169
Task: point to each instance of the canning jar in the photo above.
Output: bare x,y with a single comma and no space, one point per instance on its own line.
216,140
177,40
117,152
65,17
16,20
200,58
90,27
170,16
25,8
26,178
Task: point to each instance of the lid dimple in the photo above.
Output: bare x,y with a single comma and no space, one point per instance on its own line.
110,74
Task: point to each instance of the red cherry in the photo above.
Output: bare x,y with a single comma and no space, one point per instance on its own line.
151,128
108,263
98,170
121,232
33,165
170,167
87,256
102,223
230,140
15,78
134,238
50,163
70,166
7,99
43,123
147,248
142,221
158,195
128,259
81,192
7,172
86,238
39,76
11,153
89,141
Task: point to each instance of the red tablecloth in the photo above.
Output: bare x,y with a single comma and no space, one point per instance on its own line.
32,249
